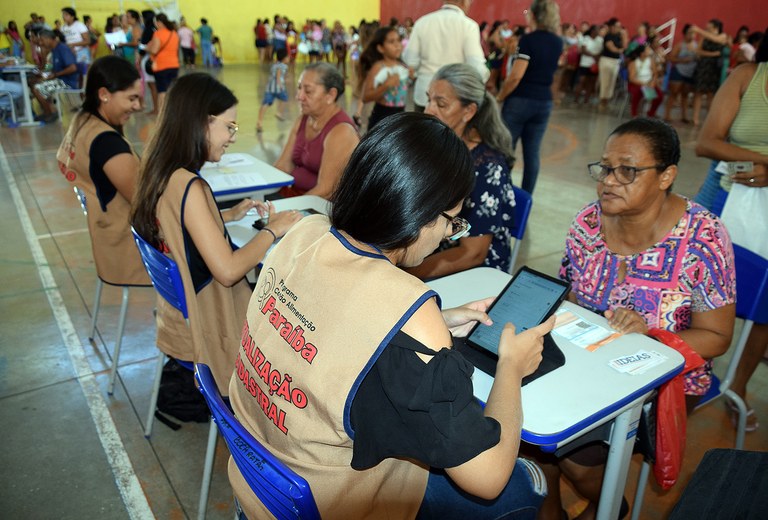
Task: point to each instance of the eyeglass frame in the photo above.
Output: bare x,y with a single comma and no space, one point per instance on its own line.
232,126
461,222
611,170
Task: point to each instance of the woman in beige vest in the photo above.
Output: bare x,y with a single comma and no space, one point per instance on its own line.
174,210
97,159
346,369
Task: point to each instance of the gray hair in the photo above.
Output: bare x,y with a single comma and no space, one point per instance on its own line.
47,33
329,77
469,88
546,14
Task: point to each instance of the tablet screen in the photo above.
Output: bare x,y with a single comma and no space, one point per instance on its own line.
527,301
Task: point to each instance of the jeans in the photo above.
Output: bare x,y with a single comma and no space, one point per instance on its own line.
527,120
520,499
207,49
711,195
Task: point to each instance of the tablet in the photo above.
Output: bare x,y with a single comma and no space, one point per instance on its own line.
528,299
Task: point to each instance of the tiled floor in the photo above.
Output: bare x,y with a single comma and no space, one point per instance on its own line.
71,451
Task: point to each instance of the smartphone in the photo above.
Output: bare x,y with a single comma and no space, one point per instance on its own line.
735,167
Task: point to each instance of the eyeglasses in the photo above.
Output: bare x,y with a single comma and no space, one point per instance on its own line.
459,226
231,126
622,174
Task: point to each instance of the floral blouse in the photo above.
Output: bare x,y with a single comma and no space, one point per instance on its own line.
489,209
690,270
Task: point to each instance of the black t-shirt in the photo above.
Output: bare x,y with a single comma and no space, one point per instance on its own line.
542,50
408,409
105,146
616,39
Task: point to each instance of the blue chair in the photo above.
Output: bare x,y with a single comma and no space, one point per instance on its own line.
97,306
751,306
523,206
283,492
166,279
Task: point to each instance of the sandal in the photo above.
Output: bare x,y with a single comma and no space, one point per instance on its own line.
752,422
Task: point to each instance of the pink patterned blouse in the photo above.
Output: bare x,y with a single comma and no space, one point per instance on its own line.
690,270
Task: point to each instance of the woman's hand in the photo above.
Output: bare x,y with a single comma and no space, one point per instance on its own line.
460,320
524,350
281,222
757,178
393,80
239,210
626,321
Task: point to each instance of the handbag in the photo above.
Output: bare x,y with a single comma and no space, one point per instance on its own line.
671,414
745,216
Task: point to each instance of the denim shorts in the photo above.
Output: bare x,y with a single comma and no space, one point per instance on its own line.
269,97
164,78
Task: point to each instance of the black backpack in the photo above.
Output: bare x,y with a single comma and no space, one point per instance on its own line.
179,397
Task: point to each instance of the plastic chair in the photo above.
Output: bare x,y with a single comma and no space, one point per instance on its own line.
523,206
282,491
166,279
97,306
65,92
751,306
14,121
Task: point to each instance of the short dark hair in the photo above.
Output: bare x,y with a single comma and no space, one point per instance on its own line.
281,54
111,72
329,76
46,33
755,38
203,21
71,12
402,175
718,24
662,139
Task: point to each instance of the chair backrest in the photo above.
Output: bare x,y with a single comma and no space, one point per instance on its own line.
751,285
80,194
164,274
523,206
283,492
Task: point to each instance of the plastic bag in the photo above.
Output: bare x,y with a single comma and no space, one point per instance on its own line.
671,415
745,215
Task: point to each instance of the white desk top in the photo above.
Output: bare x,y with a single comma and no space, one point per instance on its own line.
242,231
239,174
582,394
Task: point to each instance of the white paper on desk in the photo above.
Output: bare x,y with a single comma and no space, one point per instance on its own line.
231,181
582,333
637,363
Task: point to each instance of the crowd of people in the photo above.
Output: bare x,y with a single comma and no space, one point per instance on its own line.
419,195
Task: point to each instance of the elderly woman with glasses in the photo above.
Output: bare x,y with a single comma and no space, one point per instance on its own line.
363,393
647,258
174,210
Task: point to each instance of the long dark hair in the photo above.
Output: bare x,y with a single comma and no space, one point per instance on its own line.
371,53
169,24
110,72
180,141
402,175
761,54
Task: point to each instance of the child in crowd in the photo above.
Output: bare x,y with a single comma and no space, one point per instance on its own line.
385,77
275,88
216,52
643,80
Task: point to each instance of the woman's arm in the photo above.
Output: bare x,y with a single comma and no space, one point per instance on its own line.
632,70
721,38
154,45
285,162
713,139
711,331
122,170
470,252
227,266
513,79
487,474
337,148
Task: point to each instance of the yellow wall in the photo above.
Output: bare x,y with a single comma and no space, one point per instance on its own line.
232,21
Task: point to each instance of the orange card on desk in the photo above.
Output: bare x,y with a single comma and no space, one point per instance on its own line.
582,333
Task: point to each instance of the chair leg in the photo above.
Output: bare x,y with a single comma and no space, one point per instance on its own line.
96,307
741,427
642,483
207,471
155,393
118,342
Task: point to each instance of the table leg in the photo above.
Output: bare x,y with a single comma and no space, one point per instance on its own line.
616,469
27,119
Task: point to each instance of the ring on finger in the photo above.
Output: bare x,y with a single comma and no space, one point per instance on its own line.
752,179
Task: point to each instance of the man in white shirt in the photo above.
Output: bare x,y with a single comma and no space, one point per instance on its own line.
439,38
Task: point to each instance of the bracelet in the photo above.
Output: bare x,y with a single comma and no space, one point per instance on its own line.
274,237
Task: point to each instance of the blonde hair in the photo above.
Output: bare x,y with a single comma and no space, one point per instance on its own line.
546,14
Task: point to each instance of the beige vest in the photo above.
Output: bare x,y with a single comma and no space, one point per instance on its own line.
216,313
117,259
320,316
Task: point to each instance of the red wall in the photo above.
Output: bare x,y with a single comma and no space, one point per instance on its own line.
734,13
